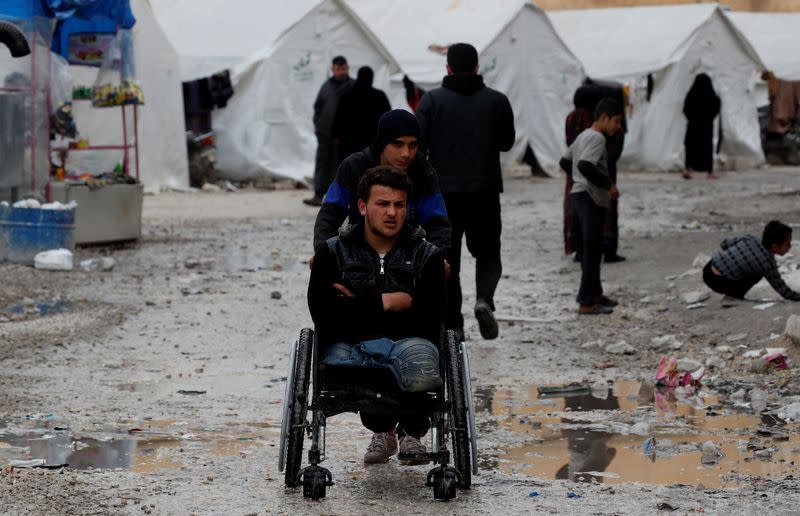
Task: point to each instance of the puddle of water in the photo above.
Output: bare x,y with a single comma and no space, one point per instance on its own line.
579,438
143,450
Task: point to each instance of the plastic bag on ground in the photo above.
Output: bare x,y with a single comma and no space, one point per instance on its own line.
54,260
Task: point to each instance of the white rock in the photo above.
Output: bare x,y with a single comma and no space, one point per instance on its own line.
711,453
715,362
723,349
642,315
688,364
793,328
620,348
695,296
665,342
790,413
107,263
54,260
764,306
701,260
592,344
753,353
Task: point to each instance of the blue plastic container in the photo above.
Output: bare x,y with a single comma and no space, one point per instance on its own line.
24,232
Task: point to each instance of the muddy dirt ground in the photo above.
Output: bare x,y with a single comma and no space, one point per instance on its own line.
100,370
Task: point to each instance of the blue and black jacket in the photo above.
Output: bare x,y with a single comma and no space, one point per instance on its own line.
426,207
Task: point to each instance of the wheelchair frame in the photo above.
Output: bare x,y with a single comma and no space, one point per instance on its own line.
450,409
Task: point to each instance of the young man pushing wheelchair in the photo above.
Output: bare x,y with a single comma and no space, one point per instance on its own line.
377,296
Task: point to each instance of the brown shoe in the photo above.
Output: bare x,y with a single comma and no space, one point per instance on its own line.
381,448
411,446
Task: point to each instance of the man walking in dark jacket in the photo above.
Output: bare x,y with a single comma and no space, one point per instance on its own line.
395,144
358,113
324,112
379,288
465,126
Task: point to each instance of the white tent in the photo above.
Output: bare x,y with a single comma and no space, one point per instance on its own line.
280,54
672,44
776,38
162,143
520,54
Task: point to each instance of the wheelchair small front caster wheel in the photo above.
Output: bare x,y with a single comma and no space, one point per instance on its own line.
444,481
315,482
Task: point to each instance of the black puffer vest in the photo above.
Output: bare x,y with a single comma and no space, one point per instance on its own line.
365,273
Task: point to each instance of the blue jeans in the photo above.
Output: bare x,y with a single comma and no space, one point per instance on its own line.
415,364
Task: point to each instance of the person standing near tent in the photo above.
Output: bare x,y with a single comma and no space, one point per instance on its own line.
465,126
585,100
358,113
324,113
701,107
586,161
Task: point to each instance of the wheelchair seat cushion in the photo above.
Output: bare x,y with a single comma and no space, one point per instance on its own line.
414,361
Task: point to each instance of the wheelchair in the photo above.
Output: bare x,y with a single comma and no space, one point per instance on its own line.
450,409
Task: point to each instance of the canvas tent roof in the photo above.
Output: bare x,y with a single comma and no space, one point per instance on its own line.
267,127
672,44
162,142
520,54
776,38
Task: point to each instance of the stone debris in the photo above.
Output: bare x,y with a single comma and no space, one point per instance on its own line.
793,328
736,337
620,348
688,364
715,362
665,342
711,453
695,296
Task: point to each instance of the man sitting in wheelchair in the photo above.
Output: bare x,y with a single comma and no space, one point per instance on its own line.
377,297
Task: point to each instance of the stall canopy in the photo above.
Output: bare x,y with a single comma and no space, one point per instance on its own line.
267,128
520,54
162,141
669,45
776,38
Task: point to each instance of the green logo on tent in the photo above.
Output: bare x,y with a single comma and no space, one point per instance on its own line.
302,70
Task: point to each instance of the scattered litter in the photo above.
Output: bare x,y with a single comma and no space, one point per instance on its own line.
53,260
764,306
599,474
695,306
711,453
736,337
620,348
563,390
777,359
669,374
649,449
230,186
104,264
688,364
27,203
573,495
753,353
641,428
758,400
275,295
71,205
664,506
533,494
190,393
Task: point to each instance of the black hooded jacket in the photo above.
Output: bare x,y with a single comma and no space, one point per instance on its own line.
465,126
358,112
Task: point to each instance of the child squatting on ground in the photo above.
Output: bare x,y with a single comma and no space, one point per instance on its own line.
743,261
587,162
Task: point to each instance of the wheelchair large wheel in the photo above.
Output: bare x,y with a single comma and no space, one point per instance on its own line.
296,401
458,411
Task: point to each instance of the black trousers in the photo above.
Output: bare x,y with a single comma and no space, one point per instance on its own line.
476,216
729,287
589,219
411,425
327,161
